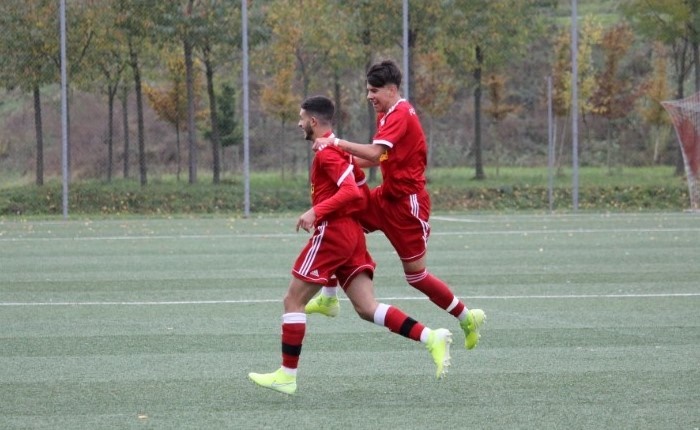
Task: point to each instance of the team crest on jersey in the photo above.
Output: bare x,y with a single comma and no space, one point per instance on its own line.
384,156
312,189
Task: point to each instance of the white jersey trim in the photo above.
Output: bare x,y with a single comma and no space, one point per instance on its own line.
382,142
316,241
348,172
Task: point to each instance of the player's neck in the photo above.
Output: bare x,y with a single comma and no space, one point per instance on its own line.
392,103
323,132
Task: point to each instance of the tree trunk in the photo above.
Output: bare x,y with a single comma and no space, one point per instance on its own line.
139,113
214,118
410,75
559,152
282,152
111,92
478,160
696,64
610,148
39,137
305,83
337,95
680,62
492,135
178,156
372,125
125,125
372,121
191,138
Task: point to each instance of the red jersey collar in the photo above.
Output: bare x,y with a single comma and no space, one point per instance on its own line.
391,109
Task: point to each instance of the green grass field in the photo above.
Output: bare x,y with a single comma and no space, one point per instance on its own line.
593,323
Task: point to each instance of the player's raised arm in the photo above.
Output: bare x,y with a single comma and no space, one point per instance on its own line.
370,153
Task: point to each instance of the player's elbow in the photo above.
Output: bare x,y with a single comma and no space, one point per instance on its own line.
376,155
374,160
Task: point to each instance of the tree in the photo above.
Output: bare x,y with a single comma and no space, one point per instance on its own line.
230,133
499,109
124,98
30,52
188,49
133,20
218,38
656,91
434,89
26,57
490,33
676,23
374,29
433,85
170,103
202,27
106,62
590,34
280,101
673,22
614,93
279,98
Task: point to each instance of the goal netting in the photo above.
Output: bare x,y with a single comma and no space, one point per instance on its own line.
685,115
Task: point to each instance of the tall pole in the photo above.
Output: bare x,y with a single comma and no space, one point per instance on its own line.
64,108
406,72
246,136
574,103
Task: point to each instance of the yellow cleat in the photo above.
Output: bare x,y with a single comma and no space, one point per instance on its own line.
328,306
277,380
439,347
471,325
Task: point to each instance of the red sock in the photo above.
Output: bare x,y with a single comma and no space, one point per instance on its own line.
293,329
437,291
398,322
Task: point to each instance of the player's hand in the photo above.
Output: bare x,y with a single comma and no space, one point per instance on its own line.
307,220
322,142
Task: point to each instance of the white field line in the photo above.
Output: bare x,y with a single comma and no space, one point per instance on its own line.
220,302
277,235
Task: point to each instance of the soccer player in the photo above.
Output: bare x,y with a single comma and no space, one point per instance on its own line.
337,247
400,206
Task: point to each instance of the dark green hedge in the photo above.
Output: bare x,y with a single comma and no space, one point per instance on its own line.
91,198
536,198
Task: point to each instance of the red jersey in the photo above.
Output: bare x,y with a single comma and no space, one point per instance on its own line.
334,192
337,246
403,165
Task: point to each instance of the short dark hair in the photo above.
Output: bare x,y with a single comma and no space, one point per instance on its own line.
320,107
384,73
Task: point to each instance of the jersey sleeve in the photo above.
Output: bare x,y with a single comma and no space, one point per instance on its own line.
347,195
339,170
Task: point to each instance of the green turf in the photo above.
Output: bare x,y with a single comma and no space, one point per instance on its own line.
154,323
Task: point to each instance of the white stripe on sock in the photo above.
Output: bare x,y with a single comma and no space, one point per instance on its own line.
380,314
452,305
294,318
